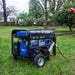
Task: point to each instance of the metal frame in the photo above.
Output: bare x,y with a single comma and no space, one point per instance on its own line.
30,37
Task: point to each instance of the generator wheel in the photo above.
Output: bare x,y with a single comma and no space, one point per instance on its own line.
39,60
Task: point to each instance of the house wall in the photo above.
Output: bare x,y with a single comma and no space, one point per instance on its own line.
2,20
10,17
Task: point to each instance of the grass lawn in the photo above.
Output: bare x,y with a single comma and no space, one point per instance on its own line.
57,65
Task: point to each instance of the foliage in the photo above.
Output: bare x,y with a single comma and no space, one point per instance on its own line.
66,6
29,21
63,17
11,9
40,21
47,8
25,19
22,15
35,9
52,6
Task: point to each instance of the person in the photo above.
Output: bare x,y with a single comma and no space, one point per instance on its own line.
72,10
18,22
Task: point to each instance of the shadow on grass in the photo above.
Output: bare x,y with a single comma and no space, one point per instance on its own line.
22,61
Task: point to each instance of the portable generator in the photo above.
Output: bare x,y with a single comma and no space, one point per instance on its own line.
33,44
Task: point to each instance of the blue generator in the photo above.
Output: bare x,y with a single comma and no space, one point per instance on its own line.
36,45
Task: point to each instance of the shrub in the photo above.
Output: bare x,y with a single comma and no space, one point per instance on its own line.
63,17
29,21
40,21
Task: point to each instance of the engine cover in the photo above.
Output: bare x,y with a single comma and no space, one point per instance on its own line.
23,49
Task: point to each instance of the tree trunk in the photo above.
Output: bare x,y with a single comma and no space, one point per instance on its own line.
46,14
70,28
4,8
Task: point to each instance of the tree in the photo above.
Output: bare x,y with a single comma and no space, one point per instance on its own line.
25,19
46,14
35,9
52,7
64,17
22,15
10,9
47,8
4,9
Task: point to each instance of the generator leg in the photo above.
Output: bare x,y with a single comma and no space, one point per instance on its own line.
47,58
54,48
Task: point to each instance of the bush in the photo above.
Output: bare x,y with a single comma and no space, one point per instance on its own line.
63,17
29,21
40,21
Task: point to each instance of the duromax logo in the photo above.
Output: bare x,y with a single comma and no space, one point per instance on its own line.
23,50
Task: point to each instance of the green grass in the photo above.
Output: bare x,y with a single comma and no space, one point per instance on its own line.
57,65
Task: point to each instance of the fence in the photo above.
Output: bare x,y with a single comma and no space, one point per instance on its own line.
8,24
14,24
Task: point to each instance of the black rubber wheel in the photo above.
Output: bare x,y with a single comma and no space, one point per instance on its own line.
39,60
